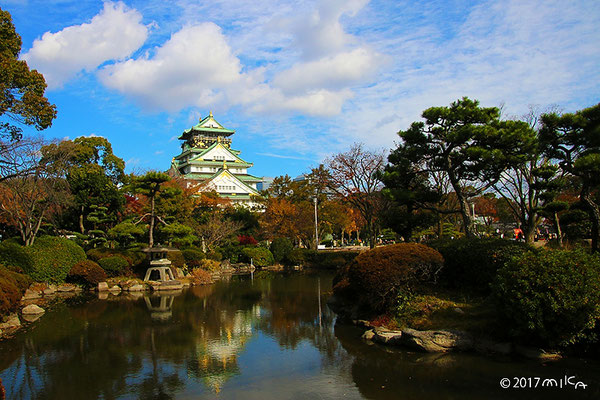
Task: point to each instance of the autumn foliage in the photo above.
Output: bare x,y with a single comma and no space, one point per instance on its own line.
375,277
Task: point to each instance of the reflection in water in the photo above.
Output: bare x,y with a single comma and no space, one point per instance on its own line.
264,336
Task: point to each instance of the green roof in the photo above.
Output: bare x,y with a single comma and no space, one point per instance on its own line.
199,128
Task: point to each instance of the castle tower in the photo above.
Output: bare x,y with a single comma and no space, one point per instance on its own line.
208,162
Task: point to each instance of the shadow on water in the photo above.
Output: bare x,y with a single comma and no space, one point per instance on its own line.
266,336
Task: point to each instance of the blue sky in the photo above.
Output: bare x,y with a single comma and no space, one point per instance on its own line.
298,80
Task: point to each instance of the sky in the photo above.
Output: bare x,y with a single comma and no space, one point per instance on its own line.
298,80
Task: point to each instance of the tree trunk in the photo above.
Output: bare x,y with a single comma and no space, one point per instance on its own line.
466,215
342,242
558,230
151,241
594,215
81,227
529,230
371,234
465,210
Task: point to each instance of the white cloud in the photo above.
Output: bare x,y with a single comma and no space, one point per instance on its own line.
320,33
115,33
190,69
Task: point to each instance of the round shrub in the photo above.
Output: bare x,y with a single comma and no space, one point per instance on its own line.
193,257
472,263
12,287
86,273
176,258
281,247
296,257
113,265
552,296
260,256
49,259
376,276
99,253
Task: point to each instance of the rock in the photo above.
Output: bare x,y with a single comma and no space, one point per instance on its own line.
136,288
67,287
536,354
458,310
436,341
51,289
368,335
32,309
115,289
102,287
30,295
386,336
12,322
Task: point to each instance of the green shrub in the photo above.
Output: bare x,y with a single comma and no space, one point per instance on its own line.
472,264
280,248
176,258
12,288
132,256
375,277
193,257
86,273
551,296
49,259
231,252
114,265
261,257
296,257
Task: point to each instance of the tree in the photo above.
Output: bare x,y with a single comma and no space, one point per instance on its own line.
216,229
150,185
22,98
354,176
526,183
94,174
25,201
469,144
574,140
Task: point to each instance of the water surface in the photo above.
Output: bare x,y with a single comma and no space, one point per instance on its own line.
269,336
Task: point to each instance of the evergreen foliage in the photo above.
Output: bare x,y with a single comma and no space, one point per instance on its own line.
550,297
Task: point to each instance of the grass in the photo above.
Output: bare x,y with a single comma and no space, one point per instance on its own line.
434,308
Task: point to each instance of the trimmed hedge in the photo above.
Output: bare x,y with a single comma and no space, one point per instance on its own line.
133,256
12,288
280,248
472,264
86,273
193,257
114,265
376,277
49,259
261,257
550,297
176,257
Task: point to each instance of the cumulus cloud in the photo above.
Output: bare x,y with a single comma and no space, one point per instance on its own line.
320,33
334,72
190,69
115,33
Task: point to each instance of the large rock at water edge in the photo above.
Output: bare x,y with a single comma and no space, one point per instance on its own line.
436,341
33,309
103,287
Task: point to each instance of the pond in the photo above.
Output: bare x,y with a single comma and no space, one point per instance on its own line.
266,336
